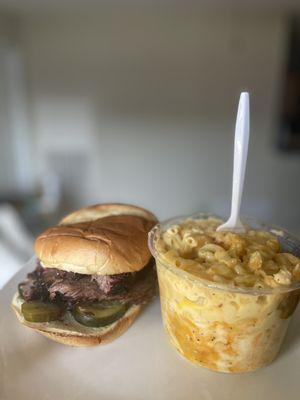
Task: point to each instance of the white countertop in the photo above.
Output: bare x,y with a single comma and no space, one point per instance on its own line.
139,365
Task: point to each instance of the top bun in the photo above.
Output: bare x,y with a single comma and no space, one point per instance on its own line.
103,239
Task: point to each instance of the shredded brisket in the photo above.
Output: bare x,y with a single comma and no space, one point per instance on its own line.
61,286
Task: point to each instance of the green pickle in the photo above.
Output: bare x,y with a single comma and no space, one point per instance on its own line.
98,314
39,311
21,292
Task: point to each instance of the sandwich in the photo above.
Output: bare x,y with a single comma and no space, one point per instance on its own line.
94,275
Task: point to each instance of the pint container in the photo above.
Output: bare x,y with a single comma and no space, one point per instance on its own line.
225,329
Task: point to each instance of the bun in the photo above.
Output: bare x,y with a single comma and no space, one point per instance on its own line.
70,332
102,239
103,210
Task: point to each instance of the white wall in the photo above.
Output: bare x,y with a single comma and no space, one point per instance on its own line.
15,158
146,102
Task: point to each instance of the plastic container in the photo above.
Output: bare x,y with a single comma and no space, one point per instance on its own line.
225,329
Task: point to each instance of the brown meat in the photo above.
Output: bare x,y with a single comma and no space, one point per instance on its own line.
56,285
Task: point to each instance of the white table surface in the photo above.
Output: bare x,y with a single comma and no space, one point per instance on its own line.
139,365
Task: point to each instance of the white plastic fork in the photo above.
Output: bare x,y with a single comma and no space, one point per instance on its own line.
241,141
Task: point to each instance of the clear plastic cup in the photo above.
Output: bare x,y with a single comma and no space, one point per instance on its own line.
225,329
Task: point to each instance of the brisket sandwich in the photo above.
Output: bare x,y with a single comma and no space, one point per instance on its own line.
93,276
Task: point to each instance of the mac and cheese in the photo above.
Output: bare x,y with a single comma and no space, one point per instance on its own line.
252,259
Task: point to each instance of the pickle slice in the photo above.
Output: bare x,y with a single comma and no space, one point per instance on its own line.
39,311
21,291
98,314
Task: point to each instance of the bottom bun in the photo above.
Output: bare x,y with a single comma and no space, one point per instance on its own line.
68,331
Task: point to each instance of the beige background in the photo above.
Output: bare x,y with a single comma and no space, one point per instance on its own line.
137,104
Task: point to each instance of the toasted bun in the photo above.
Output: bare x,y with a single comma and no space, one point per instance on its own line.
70,332
103,210
103,239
